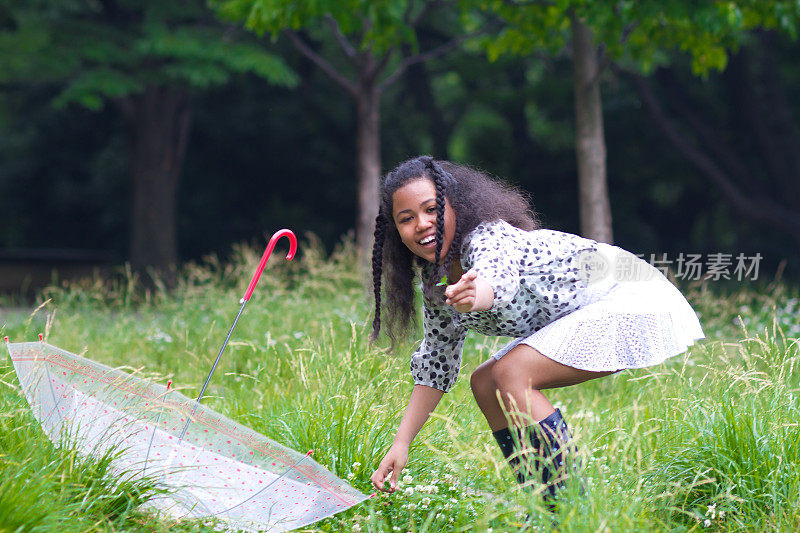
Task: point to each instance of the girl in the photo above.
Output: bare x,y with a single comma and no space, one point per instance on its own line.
579,309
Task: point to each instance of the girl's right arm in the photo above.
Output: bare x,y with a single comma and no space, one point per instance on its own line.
423,401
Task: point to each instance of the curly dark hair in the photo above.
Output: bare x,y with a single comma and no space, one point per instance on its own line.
474,196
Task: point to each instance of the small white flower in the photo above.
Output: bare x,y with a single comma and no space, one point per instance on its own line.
395,528
722,514
356,465
425,502
351,475
707,523
712,510
356,528
407,479
412,506
409,491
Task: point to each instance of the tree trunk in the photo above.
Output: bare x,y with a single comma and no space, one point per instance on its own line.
368,166
419,86
590,147
158,126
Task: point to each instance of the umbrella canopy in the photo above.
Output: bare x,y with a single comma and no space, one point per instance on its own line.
215,467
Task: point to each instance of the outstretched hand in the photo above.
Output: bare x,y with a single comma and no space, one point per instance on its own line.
393,463
469,293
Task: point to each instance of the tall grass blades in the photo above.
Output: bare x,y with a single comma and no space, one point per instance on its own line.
705,441
733,456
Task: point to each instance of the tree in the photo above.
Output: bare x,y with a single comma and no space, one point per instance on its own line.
147,59
633,35
376,42
758,174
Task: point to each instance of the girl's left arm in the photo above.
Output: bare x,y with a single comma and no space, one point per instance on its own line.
420,406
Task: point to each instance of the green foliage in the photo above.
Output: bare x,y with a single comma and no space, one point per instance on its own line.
736,458
99,51
41,485
708,436
637,34
376,25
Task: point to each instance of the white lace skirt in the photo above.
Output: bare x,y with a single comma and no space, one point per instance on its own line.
632,317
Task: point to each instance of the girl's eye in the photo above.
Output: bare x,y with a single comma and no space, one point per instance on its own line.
431,209
406,219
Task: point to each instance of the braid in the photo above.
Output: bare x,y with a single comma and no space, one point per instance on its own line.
451,253
442,181
377,271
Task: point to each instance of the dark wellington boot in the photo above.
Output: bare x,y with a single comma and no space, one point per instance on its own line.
509,446
559,454
556,451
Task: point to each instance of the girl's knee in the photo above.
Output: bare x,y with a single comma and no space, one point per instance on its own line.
480,381
503,373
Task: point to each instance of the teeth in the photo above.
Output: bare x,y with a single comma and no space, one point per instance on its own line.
427,240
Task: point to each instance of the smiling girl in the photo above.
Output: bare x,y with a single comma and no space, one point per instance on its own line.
573,315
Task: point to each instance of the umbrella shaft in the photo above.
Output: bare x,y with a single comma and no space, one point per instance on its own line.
213,368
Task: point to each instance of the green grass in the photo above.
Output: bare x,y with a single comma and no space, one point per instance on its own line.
709,441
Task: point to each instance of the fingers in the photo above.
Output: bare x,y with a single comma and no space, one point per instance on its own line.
378,478
453,292
395,479
381,475
461,297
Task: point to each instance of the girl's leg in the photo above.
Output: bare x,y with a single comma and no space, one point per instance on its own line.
520,376
515,382
484,389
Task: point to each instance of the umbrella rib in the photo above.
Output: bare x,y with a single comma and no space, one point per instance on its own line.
53,393
265,488
150,445
213,368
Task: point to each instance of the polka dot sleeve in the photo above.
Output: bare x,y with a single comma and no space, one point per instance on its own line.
494,255
438,359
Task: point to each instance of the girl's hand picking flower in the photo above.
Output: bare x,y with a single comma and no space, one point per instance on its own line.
393,463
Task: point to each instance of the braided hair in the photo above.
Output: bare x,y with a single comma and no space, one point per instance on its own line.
474,197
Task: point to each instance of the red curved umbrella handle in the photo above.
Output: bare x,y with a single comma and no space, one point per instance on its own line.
271,246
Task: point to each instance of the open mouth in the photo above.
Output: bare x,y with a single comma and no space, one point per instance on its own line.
427,241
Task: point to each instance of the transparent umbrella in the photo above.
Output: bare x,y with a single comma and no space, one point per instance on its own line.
212,466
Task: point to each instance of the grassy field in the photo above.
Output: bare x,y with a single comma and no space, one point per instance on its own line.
709,441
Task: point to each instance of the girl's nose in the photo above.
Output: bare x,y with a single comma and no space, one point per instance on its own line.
425,221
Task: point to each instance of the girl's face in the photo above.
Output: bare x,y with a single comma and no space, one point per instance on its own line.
414,214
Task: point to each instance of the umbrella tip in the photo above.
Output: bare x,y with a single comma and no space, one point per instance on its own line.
41,337
169,384
310,452
6,339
